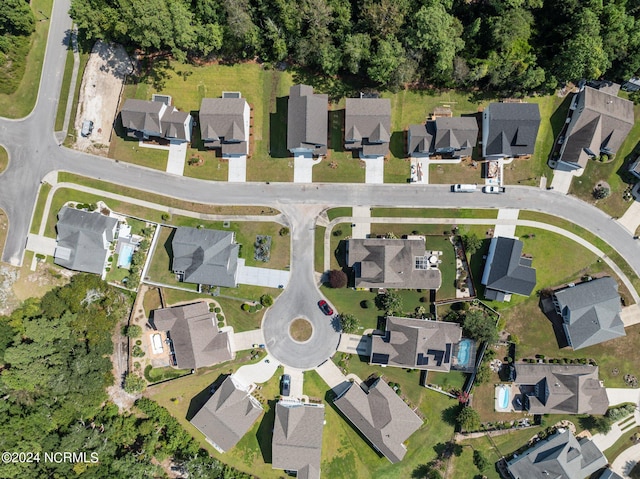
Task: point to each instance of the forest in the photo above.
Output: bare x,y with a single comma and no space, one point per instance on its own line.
17,23
55,368
510,46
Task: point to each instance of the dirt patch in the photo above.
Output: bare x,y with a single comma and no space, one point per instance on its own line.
102,82
300,330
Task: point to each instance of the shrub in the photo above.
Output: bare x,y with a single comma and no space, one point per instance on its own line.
337,278
366,304
134,384
220,316
471,243
266,300
165,216
601,192
217,310
244,307
134,331
137,352
479,460
284,231
468,419
337,232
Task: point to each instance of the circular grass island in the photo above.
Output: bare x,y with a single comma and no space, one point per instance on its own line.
300,330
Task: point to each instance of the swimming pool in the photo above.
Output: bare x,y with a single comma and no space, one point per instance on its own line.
464,350
124,258
503,397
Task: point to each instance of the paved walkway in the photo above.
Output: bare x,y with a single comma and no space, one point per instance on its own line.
330,374
246,339
297,381
626,461
303,168
259,372
507,227
177,157
237,169
355,344
41,244
270,278
374,172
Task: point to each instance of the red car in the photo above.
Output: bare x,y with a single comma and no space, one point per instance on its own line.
324,306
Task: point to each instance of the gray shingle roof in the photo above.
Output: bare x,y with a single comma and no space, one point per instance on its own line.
506,271
561,456
228,415
609,474
512,129
562,388
458,134
420,138
368,125
390,263
600,122
307,119
381,416
205,256
222,124
591,311
297,437
416,343
83,239
142,115
196,339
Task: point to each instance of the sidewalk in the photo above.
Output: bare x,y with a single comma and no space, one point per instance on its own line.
509,218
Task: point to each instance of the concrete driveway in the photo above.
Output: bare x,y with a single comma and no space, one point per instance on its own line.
271,278
630,315
355,344
562,181
508,227
259,372
246,340
41,244
374,172
631,218
297,381
626,461
237,170
303,168
177,157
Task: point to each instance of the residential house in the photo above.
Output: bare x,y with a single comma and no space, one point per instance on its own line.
561,388
590,311
599,121
634,168
297,438
143,119
507,271
228,414
307,121
631,85
368,126
560,456
381,416
205,256
83,240
393,263
509,130
609,474
193,334
445,136
224,124
416,344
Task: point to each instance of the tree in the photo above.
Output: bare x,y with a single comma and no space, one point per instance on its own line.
385,61
483,374
390,302
349,323
337,278
468,419
266,300
16,18
480,326
479,460
134,384
601,192
471,243
134,331
356,51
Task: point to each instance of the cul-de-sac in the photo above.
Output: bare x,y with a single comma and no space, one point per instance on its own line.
387,239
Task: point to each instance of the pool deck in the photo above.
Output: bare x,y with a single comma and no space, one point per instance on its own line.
514,392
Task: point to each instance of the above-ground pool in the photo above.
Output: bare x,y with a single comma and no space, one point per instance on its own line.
464,349
503,397
124,258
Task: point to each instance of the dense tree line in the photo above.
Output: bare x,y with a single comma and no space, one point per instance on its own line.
505,45
17,23
54,370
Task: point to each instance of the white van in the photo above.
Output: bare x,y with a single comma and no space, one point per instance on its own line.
462,188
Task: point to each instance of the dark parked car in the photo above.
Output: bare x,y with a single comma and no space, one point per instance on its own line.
286,384
324,306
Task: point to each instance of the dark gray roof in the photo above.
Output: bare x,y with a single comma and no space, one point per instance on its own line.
416,343
196,339
142,115
368,125
307,119
512,129
228,415
297,437
205,256
609,474
600,122
561,388
561,456
83,240
390,263
458,135
591,311
381,416
173,124
506,271
222,124
420,138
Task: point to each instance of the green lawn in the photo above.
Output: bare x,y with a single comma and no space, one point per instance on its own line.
64,91
318,245
334,213
38,211
123,148
21,101
4,159
434,213
72,134
350,301
614,173
212,167
621,444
